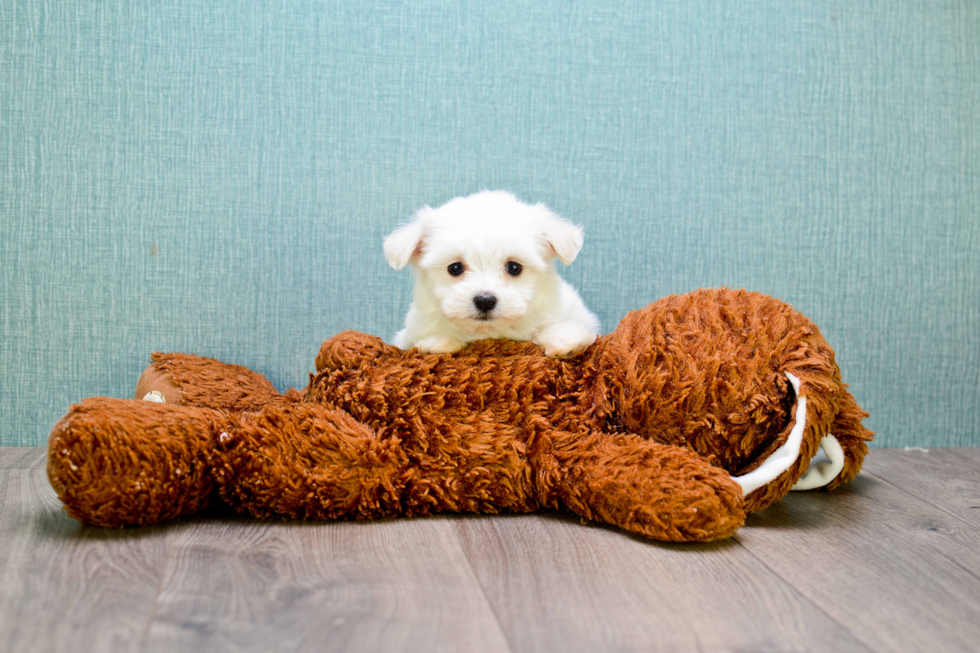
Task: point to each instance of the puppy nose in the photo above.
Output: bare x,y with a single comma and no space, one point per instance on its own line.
485,302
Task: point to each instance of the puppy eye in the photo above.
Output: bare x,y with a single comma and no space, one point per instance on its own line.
514,268
456,269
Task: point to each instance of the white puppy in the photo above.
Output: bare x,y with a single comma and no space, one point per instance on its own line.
484,268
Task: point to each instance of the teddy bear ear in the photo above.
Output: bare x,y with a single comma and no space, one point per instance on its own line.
406,242
562,236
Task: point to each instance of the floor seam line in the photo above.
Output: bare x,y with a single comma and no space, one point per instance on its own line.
145,640
483,590
924,500
803,596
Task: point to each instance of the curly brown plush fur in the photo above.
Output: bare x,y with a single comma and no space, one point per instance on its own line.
644,430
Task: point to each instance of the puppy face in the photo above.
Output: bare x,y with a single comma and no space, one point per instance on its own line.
484,258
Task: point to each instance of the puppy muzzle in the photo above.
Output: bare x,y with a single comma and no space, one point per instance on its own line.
484,302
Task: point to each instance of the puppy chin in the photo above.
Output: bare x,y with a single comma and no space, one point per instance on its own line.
488,326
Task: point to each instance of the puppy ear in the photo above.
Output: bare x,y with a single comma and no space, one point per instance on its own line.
562,236
404,243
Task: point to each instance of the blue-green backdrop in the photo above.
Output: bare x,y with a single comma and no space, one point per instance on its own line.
216,177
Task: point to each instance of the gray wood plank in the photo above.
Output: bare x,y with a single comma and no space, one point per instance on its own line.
557,584
400,585
948,479
899,573
22,457
64,587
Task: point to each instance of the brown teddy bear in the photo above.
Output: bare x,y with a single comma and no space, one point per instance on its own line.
696,410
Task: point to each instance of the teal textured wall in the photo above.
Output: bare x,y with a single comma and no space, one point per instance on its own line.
216,177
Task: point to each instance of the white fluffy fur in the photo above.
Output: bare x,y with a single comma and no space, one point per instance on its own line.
485,232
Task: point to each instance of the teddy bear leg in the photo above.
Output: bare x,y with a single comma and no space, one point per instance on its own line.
117,462
188,380
661,491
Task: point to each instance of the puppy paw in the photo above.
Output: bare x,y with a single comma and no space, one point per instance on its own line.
439,345
565,339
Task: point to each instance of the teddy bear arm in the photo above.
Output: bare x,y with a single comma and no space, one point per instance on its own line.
307,461
661,491
189,380
118,462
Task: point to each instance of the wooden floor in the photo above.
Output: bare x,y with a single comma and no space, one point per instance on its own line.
891,563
